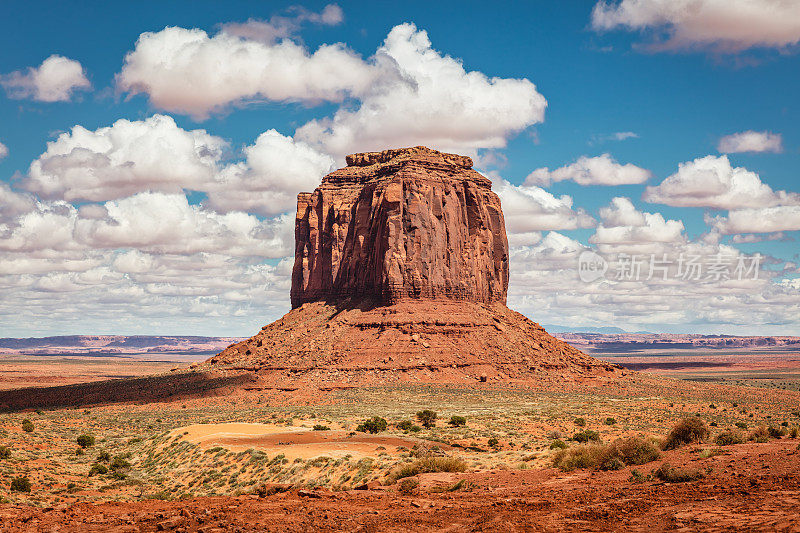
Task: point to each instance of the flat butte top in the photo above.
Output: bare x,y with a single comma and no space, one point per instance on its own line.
415,162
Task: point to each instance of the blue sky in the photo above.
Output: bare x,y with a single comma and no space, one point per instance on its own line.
646,87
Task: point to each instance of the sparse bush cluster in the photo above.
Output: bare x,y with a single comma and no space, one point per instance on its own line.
85,441
5,452
375,424
586,435
408,485
21,484
727,438
457,421
630,451
320,427
687,431
427,418
27,425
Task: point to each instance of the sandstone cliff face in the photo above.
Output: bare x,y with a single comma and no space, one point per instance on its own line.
411,223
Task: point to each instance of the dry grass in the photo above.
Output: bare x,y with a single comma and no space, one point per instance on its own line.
687,431
427,465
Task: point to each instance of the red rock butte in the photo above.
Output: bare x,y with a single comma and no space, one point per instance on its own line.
401,275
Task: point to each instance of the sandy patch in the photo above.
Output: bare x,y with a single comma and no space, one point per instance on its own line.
293,441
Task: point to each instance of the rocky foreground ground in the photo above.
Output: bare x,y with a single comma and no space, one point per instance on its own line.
749,487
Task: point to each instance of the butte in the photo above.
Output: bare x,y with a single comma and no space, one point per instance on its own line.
401,275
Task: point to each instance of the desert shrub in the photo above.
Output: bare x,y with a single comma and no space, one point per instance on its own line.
79,451
5,452
630,451
119,463
27,425
21,484
610,421
426,465
427,418
405,425
676,475
726,438
84,441
741,425
581,422
760,434
98,469
375,424
457,421
588,456
558,445
792,434
553,434
686,431
408,485
118,474
635,451
776,432
493,442
320,427
586,435
103,457
638,477
710,452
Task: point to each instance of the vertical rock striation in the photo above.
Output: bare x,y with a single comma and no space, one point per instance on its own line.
411,223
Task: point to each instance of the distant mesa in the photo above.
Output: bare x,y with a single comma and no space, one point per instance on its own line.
401,275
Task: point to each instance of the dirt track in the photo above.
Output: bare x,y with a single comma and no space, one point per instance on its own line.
749,487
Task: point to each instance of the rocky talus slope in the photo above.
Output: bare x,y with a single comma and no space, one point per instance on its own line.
400,275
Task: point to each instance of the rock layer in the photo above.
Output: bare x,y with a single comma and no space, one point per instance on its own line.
400,275
407,223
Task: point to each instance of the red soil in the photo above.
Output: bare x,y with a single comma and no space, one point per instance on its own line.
749,487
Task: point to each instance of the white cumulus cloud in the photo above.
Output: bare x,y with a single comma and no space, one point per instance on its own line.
125,158
428,98
751,141
720,25
187,71
711,181
3,151
267,182
599,170
758,220
55,80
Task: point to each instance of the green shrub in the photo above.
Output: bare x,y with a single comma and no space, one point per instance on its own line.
405,425
676,475
493,442
457,421
5,452
27,425
320,427
119,463
793,433
103,457
586,435
686,431
98,469
21,484
610,421
638,477
84,441
558,444
581,422
427,465
760,434
741,425
726,438
375,424
427,418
